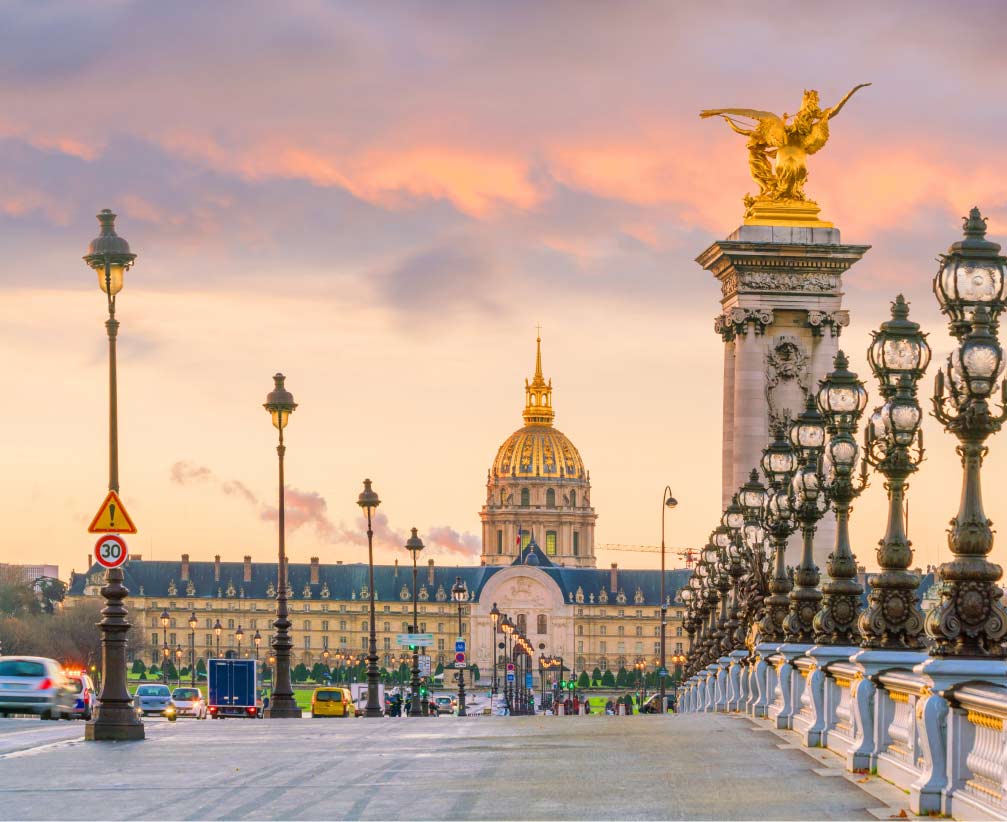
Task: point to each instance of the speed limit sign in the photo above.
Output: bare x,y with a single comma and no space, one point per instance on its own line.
110,551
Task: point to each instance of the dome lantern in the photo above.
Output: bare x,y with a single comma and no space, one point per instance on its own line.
538,393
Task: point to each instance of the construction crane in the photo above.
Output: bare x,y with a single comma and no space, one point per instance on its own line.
685,553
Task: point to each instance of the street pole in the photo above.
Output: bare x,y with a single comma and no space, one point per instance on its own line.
280,405
668,501
460,593
368,500
414,545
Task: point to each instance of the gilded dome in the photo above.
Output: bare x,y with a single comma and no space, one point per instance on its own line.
539,451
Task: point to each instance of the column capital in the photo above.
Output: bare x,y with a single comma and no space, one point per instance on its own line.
737,320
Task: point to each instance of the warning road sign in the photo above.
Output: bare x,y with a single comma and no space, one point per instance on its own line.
112,518
110,551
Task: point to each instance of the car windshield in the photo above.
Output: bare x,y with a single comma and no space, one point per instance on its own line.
152,690
21,667
185,693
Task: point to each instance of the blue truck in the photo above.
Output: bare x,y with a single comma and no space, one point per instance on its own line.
232,689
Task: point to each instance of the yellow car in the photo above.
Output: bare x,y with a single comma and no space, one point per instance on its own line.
332,702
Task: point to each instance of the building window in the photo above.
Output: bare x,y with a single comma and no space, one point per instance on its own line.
573,498
678,647
657,631
602,646
230,624
153,638
325,642
543,624
363,643
525,498
307,643
580,630
639,630
325,624
576,543
638,647
440,627
363,625
657,647
440,644
550,543
522,623
603,629
387,643
580,646
342,625
678,631
550,498
603,663
525,539
622,630
388,627
499,542
307,625
622,612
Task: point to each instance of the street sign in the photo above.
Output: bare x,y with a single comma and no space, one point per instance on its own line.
460,659
423,640
510,667
510,675
460,645
663,672
424,665
110,551
111,518
527,679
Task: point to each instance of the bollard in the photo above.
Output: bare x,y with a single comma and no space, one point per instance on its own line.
583,709
559,709
622,709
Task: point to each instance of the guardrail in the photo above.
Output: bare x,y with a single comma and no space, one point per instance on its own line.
946,746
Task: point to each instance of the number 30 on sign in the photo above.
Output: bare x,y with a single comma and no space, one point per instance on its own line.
110,551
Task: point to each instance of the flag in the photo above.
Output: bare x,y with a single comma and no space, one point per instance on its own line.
520,533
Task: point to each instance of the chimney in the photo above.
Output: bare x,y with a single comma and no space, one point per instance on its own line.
430,572
613,584
89,563
184,575
135,556
216,568
314,570
339,562
396,573
248,568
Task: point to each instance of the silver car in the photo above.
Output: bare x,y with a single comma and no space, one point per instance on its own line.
153,699
189,702
35,685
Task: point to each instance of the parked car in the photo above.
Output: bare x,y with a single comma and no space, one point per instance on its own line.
35,685
154,699
189,702
330,701
84,694
444,704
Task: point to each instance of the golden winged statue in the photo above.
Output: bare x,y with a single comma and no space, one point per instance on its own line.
788,140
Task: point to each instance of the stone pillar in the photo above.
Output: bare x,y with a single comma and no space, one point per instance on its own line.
781,317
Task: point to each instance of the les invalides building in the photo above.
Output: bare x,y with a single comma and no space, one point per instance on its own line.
537,565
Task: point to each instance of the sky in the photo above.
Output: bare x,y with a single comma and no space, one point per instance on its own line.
383,201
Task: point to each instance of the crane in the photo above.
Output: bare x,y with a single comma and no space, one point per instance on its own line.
685,553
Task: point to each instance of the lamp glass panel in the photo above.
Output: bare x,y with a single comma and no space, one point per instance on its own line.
843,398
115,271
977,282
782,462
735,520
280,417
981,360
810,435
902,354
903,417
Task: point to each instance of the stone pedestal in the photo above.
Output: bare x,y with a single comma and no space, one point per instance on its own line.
781,318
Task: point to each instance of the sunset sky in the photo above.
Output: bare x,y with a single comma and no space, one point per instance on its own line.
383,200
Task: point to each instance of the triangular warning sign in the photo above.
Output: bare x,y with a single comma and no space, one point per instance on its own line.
112,518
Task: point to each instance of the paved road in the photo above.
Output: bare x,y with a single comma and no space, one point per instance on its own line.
598,767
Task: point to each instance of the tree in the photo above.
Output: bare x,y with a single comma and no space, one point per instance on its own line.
169,670
622,678
607,680
201,668
474,673
138,666
318,672
583,681
596,676
300,673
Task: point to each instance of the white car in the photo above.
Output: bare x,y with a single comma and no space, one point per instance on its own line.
189,702
35,685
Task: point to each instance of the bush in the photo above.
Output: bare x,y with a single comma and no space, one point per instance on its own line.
169,669
622,678
138,666
607,680
596,676
300,673
583,681
143,676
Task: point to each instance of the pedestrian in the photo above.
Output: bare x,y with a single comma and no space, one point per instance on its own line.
609,707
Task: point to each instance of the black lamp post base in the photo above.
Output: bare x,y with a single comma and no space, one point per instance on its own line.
282,708
115,726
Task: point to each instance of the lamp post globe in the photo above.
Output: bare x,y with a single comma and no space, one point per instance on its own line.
280,405
414,545
369,501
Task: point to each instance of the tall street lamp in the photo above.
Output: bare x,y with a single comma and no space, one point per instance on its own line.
257,639
841,399
507,627
369,502
779,462
114,718
667,502
970,620
893,444
414,545
178,664
280,405
217,629
192,648
165,652
460,594
495,619
239,635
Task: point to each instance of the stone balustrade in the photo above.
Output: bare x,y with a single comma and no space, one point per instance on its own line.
945,745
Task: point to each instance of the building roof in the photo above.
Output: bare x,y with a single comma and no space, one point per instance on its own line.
392,583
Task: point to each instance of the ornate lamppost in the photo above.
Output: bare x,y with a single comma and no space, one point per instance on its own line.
217,629
893,444
114,718
280,405
507,627
257,639
460,594
414,545
779,462
369,502
970,619
807,435
192,648
495,619
178,664
752,499
165,652
668,502
239,635
841,399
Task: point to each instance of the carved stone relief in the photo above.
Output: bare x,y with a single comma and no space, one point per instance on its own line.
737,321
787,376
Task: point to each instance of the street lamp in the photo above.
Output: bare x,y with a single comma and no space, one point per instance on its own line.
114,717
779,461
280,405
460,594
239,635
165,651
970,619
178,664
495,619
667,502
507,627
414,545
841,399
257,639
369,502
217,629
192,648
